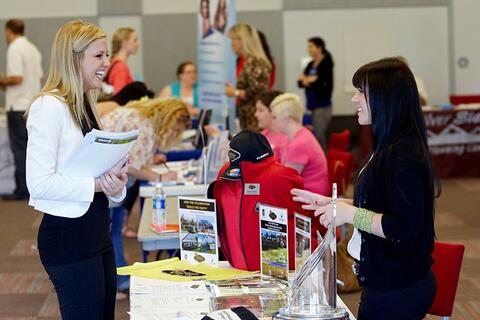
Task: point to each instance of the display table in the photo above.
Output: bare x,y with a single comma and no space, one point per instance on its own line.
7,167
152,241
152,299
454,140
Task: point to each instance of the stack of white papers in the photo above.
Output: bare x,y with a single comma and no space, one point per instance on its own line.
152,299
99,152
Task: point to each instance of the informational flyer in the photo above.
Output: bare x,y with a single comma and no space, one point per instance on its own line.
274,241
98,153
198,230
303,239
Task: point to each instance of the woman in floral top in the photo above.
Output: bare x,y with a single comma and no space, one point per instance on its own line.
254,75
160,123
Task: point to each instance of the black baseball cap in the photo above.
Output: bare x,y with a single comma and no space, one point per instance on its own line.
249,146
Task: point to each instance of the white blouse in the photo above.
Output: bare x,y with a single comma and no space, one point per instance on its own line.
52,139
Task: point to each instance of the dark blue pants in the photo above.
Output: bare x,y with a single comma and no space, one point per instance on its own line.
410,303
86,289
17,133
117,216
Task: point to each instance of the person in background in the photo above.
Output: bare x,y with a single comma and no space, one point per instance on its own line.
254,75
22,83
160,123
185,88
317,79
394,198
268,53
221,16
302,151
277,140
124,44
73,238
132,91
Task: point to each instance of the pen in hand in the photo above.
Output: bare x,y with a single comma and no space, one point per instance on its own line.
166,166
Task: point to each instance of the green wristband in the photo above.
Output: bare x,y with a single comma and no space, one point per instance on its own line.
362,220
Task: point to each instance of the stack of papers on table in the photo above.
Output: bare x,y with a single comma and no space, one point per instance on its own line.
180,271
152,299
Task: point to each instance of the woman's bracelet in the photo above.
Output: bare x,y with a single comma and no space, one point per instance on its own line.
362,220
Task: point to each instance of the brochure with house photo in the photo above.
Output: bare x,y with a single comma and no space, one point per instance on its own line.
274,241
198,230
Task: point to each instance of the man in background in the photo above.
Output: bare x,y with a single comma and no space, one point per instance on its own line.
21,84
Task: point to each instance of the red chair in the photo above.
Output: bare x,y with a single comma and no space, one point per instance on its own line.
336,173
348,161
446,267
339,141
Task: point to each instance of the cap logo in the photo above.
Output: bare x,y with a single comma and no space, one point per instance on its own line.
233,155
263,156
234,172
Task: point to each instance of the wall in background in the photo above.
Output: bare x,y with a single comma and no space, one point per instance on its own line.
110,23
466,44
355,37
167,30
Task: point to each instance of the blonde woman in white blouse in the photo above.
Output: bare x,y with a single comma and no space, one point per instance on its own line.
73,239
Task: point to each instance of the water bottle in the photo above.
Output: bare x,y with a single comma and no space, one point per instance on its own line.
158,205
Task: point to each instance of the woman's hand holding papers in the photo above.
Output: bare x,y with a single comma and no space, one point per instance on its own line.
112,182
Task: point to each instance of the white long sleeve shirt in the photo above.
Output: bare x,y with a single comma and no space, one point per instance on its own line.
52,139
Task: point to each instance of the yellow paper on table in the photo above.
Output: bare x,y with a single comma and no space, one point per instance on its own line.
179,270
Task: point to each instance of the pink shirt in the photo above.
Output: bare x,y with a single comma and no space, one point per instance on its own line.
278,141
119,75
305,150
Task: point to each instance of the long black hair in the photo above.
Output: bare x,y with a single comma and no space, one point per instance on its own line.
265,46
392,96
319,43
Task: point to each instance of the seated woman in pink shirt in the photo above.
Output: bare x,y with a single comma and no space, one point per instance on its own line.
302,151
124,44
264,117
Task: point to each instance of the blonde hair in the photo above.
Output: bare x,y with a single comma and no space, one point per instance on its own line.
118,37
251,43
65,78
288,105
164,113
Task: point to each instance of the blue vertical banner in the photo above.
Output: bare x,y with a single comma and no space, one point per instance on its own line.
216,60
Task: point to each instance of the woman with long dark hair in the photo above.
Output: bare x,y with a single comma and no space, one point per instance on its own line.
393,206
317,79
268,53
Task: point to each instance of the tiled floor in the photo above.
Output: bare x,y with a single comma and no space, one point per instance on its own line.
26,293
